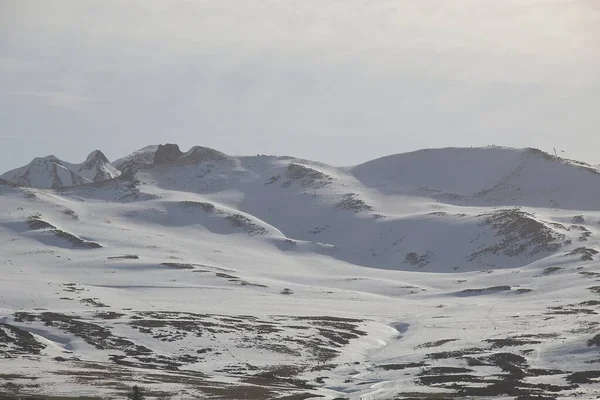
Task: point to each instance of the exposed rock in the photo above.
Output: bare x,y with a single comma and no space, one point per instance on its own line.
166,154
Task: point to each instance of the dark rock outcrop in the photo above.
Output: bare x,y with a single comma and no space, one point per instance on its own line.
166,154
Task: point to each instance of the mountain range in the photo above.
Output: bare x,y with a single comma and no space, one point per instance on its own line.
462,271
51,172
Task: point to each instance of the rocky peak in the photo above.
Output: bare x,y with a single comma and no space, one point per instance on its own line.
95,158
51,172
167,153
202,154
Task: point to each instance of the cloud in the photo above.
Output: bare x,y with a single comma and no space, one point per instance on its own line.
382,31
57,99
279,76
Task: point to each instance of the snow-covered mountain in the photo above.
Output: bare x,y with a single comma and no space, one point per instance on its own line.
486,176
461,273
51,172
142,156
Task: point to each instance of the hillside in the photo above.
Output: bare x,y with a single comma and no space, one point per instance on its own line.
491,176
465,272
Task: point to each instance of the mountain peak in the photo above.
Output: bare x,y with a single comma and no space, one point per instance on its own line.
96,156
95,160
143,156
167,153
51,172
51,158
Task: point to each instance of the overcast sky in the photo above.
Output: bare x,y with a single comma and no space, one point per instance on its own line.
339,81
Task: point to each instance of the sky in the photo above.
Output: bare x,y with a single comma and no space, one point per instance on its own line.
338,81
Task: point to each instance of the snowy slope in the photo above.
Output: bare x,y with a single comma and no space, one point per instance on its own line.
263,277
412,230
486,176
144,155
50,172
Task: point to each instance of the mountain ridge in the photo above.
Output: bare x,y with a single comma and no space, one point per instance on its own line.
146,157
312,202
492,175
52,173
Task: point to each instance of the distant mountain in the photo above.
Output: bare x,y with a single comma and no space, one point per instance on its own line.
142,156
485,176
51,172
196,154
168,154
465,201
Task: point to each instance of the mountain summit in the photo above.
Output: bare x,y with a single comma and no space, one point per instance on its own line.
142,156
51,172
